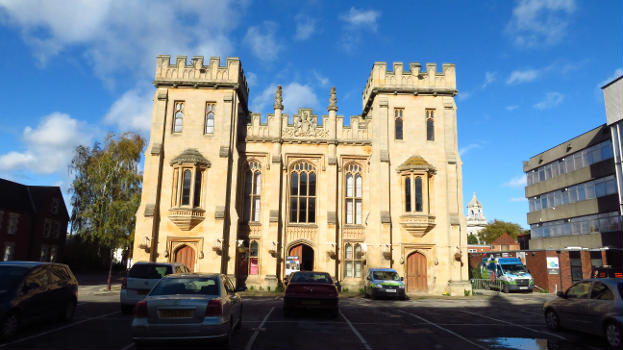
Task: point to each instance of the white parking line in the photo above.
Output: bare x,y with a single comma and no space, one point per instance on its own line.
57,329
257,331
515,324
444,329
363,341
127,346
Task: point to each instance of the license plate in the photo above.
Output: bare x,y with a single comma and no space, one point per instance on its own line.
523,287
310,302
390,290
175,313
142,291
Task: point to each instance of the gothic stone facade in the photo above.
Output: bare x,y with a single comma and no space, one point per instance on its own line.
224,192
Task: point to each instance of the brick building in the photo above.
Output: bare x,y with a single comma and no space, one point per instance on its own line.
33,222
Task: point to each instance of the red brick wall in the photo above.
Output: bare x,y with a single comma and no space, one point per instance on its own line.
585,255
536,264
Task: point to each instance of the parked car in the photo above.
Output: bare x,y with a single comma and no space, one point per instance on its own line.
510,272
33,291
188,307
592,306
311,290
141,278
384,282
606,272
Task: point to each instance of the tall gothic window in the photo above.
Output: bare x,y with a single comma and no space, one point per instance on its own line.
354,194
418,194
253,187
398,123
408,194
178,116
430,124
186,187
254,253
189,170
209,122
417,176
353,263
302,193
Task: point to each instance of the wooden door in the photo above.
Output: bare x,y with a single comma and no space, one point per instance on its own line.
186,256
416,273
297,251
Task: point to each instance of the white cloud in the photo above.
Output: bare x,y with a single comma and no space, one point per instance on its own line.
522,76
262,41
295,95
132,111
519,199
540,22
512,107
305,27
251,78
361,18
471,146
49,147
489,78
552,99
617,73
322,80
122,36
264,100
464,95
519,181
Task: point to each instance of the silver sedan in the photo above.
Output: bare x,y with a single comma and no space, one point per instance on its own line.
593,306
188,307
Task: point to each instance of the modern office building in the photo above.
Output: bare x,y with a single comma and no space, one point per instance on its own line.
613,100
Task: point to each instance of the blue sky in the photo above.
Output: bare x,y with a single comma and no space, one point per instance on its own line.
528,72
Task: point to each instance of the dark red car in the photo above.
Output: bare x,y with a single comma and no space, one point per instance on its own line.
311,290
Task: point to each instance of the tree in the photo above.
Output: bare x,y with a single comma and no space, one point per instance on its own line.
106,191
495,229
472,239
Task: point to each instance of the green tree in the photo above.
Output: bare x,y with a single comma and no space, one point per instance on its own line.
106,191
495,229
472,239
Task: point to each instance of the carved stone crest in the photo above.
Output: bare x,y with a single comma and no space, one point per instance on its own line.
305,125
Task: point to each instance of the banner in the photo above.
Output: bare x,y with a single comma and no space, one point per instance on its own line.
553,267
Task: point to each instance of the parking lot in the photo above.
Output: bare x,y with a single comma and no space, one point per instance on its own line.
483,322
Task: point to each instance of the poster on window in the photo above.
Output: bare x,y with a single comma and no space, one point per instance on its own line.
253,268
293,264
553,267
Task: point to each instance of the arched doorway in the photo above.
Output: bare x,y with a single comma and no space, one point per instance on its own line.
186,256
416,273
305,254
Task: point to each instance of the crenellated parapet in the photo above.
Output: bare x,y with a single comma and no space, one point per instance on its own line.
196,74
415,81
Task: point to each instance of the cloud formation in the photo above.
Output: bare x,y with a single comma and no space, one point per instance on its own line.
519,181
263,41
551,100
489,78
305,27
132,111
49,146
295,96
465,149
355,21
522,76
537,23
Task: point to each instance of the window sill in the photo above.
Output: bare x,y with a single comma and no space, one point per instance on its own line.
295,224
355,226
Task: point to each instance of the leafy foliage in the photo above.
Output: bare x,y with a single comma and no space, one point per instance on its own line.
495,229
472,239
106,190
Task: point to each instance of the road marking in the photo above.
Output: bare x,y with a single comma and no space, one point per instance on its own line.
515,324
257,331
57,329
444,329
363,341
127,346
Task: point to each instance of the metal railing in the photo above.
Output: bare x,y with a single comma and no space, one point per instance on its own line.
479,285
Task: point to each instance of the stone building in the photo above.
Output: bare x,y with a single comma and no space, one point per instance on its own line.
476,220
224,192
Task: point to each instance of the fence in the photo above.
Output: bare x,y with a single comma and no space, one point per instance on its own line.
480,285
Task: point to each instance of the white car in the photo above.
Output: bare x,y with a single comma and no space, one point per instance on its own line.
141,278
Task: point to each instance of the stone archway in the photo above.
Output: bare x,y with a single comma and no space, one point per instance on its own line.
416,273
305,254
186,255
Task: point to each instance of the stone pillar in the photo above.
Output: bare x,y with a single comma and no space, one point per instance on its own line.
333,222
273,233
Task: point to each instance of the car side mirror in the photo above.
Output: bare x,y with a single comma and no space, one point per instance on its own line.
561,294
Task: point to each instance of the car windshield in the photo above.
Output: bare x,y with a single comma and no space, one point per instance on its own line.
10,276
151,271
386,276
187,285
311,277
514,268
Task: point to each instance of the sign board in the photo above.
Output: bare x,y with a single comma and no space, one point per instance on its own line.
293,264
553,267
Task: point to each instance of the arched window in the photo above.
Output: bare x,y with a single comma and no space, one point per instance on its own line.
178,116
398,123
302,193
408,194
354,194
189,170
353,264
430,125
254,256
253,187
418,194
417,176
209,122
186,187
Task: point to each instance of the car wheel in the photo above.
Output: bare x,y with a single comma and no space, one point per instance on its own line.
126,309
613,335
552,320
68,311
9,326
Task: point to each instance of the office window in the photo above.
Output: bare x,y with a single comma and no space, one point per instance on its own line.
253,187
178,116
430,124
398,120
302,193
353,263
209,122
354,195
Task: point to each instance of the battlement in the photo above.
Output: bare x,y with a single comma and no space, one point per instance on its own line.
196,74
415,81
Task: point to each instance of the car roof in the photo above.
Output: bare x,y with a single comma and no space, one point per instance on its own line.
192,274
